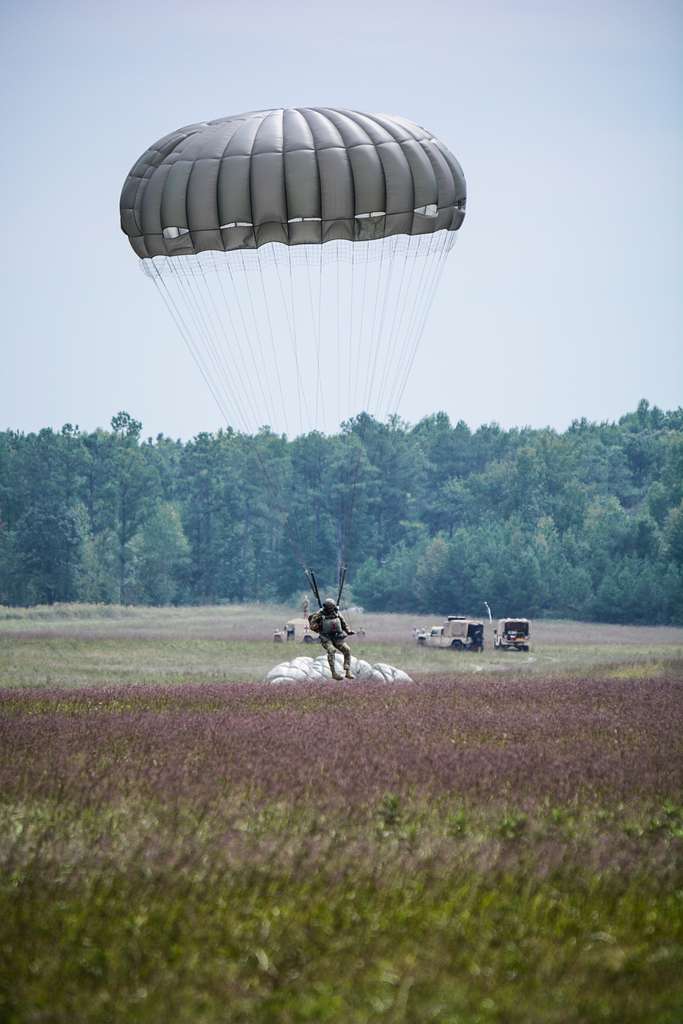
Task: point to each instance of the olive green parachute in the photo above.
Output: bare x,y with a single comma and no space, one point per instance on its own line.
296,176
298,251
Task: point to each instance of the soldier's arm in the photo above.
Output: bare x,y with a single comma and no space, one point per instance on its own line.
344,625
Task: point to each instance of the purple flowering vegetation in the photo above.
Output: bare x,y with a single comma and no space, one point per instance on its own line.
485,848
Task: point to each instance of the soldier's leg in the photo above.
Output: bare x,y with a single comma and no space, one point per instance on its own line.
330,648
346,651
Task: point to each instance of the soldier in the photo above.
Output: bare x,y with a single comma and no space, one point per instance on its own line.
332,629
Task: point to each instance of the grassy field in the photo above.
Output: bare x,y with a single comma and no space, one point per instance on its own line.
85,644
499,842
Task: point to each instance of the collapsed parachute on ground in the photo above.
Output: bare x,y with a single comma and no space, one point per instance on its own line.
317,670
298,252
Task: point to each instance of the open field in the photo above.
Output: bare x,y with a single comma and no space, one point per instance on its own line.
80,644
499,842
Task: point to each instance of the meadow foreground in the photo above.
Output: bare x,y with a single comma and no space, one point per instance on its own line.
476,847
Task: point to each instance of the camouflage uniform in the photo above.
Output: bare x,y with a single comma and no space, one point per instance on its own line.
332,630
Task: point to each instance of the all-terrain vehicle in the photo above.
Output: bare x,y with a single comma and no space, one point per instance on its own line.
512,635
458,632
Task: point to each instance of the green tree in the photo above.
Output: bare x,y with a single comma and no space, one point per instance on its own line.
434,589
48,550
158,558
673,533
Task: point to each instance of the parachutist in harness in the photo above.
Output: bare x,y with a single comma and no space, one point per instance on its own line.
332,630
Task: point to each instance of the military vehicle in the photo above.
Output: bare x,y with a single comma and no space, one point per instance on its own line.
512,635
458,632
295,629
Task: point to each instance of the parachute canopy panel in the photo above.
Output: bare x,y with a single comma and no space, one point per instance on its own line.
296,176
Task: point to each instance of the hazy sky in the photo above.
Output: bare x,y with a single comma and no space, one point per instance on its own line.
564,295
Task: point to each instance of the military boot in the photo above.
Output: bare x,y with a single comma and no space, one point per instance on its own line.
347,667
333,667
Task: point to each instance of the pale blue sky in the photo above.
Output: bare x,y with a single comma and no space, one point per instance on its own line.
566,286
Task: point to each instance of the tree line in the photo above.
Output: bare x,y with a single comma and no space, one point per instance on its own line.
435,517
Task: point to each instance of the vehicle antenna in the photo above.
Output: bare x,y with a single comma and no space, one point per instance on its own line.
486,605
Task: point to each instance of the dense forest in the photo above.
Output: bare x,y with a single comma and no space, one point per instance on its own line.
433,517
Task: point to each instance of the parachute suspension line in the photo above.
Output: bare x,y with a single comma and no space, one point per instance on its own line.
350,504
311,320
269,322
251,331
357,363
227,316
364,402
381,328
357,354
338,348
249,391
260,342
189,286
406,293
430,292
282,505
289,526
319,327
380,341
422,320
422,263
257,376
313,584
200,329
185,334
204,332
223,350
417,292
315,322
418,337
274,487
228,326
291,328
382,288
342,580
216,326
351,312
414,325
293,526
392,340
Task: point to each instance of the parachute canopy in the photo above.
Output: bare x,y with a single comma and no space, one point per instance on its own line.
296,176
298,251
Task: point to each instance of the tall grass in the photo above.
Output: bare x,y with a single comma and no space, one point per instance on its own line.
508,851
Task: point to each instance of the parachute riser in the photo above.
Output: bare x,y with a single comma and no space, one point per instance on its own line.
342,580
313,584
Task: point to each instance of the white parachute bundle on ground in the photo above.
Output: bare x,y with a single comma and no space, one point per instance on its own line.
317,670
